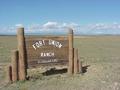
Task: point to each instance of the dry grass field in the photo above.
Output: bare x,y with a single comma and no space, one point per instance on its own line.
100,55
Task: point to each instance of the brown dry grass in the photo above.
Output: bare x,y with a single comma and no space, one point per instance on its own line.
101,53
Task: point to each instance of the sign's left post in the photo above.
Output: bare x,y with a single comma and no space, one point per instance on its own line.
21,48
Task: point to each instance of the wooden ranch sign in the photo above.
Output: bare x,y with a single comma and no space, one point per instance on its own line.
37,51
44,51
47,50
34,51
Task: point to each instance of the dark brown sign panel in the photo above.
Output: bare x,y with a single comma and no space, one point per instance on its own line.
46,51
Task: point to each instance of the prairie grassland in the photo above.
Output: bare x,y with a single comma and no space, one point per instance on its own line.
100,53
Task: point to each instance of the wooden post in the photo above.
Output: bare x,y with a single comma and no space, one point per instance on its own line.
9,73
71,63
76,63
80,67
21,49
14,65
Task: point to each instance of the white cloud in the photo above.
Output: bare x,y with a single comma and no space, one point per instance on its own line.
73,25
56,27
19,25
50,25
33,28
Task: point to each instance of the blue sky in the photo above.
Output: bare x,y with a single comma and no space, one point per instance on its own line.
86,16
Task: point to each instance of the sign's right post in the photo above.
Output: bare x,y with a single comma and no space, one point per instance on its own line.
71,61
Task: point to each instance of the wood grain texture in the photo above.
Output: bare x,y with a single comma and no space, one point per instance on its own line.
76,61
21,49
47,50
71,61
14,58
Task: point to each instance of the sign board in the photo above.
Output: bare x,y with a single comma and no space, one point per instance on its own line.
47,50
34,51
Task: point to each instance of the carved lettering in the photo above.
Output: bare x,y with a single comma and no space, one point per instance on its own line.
48,54
40,43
